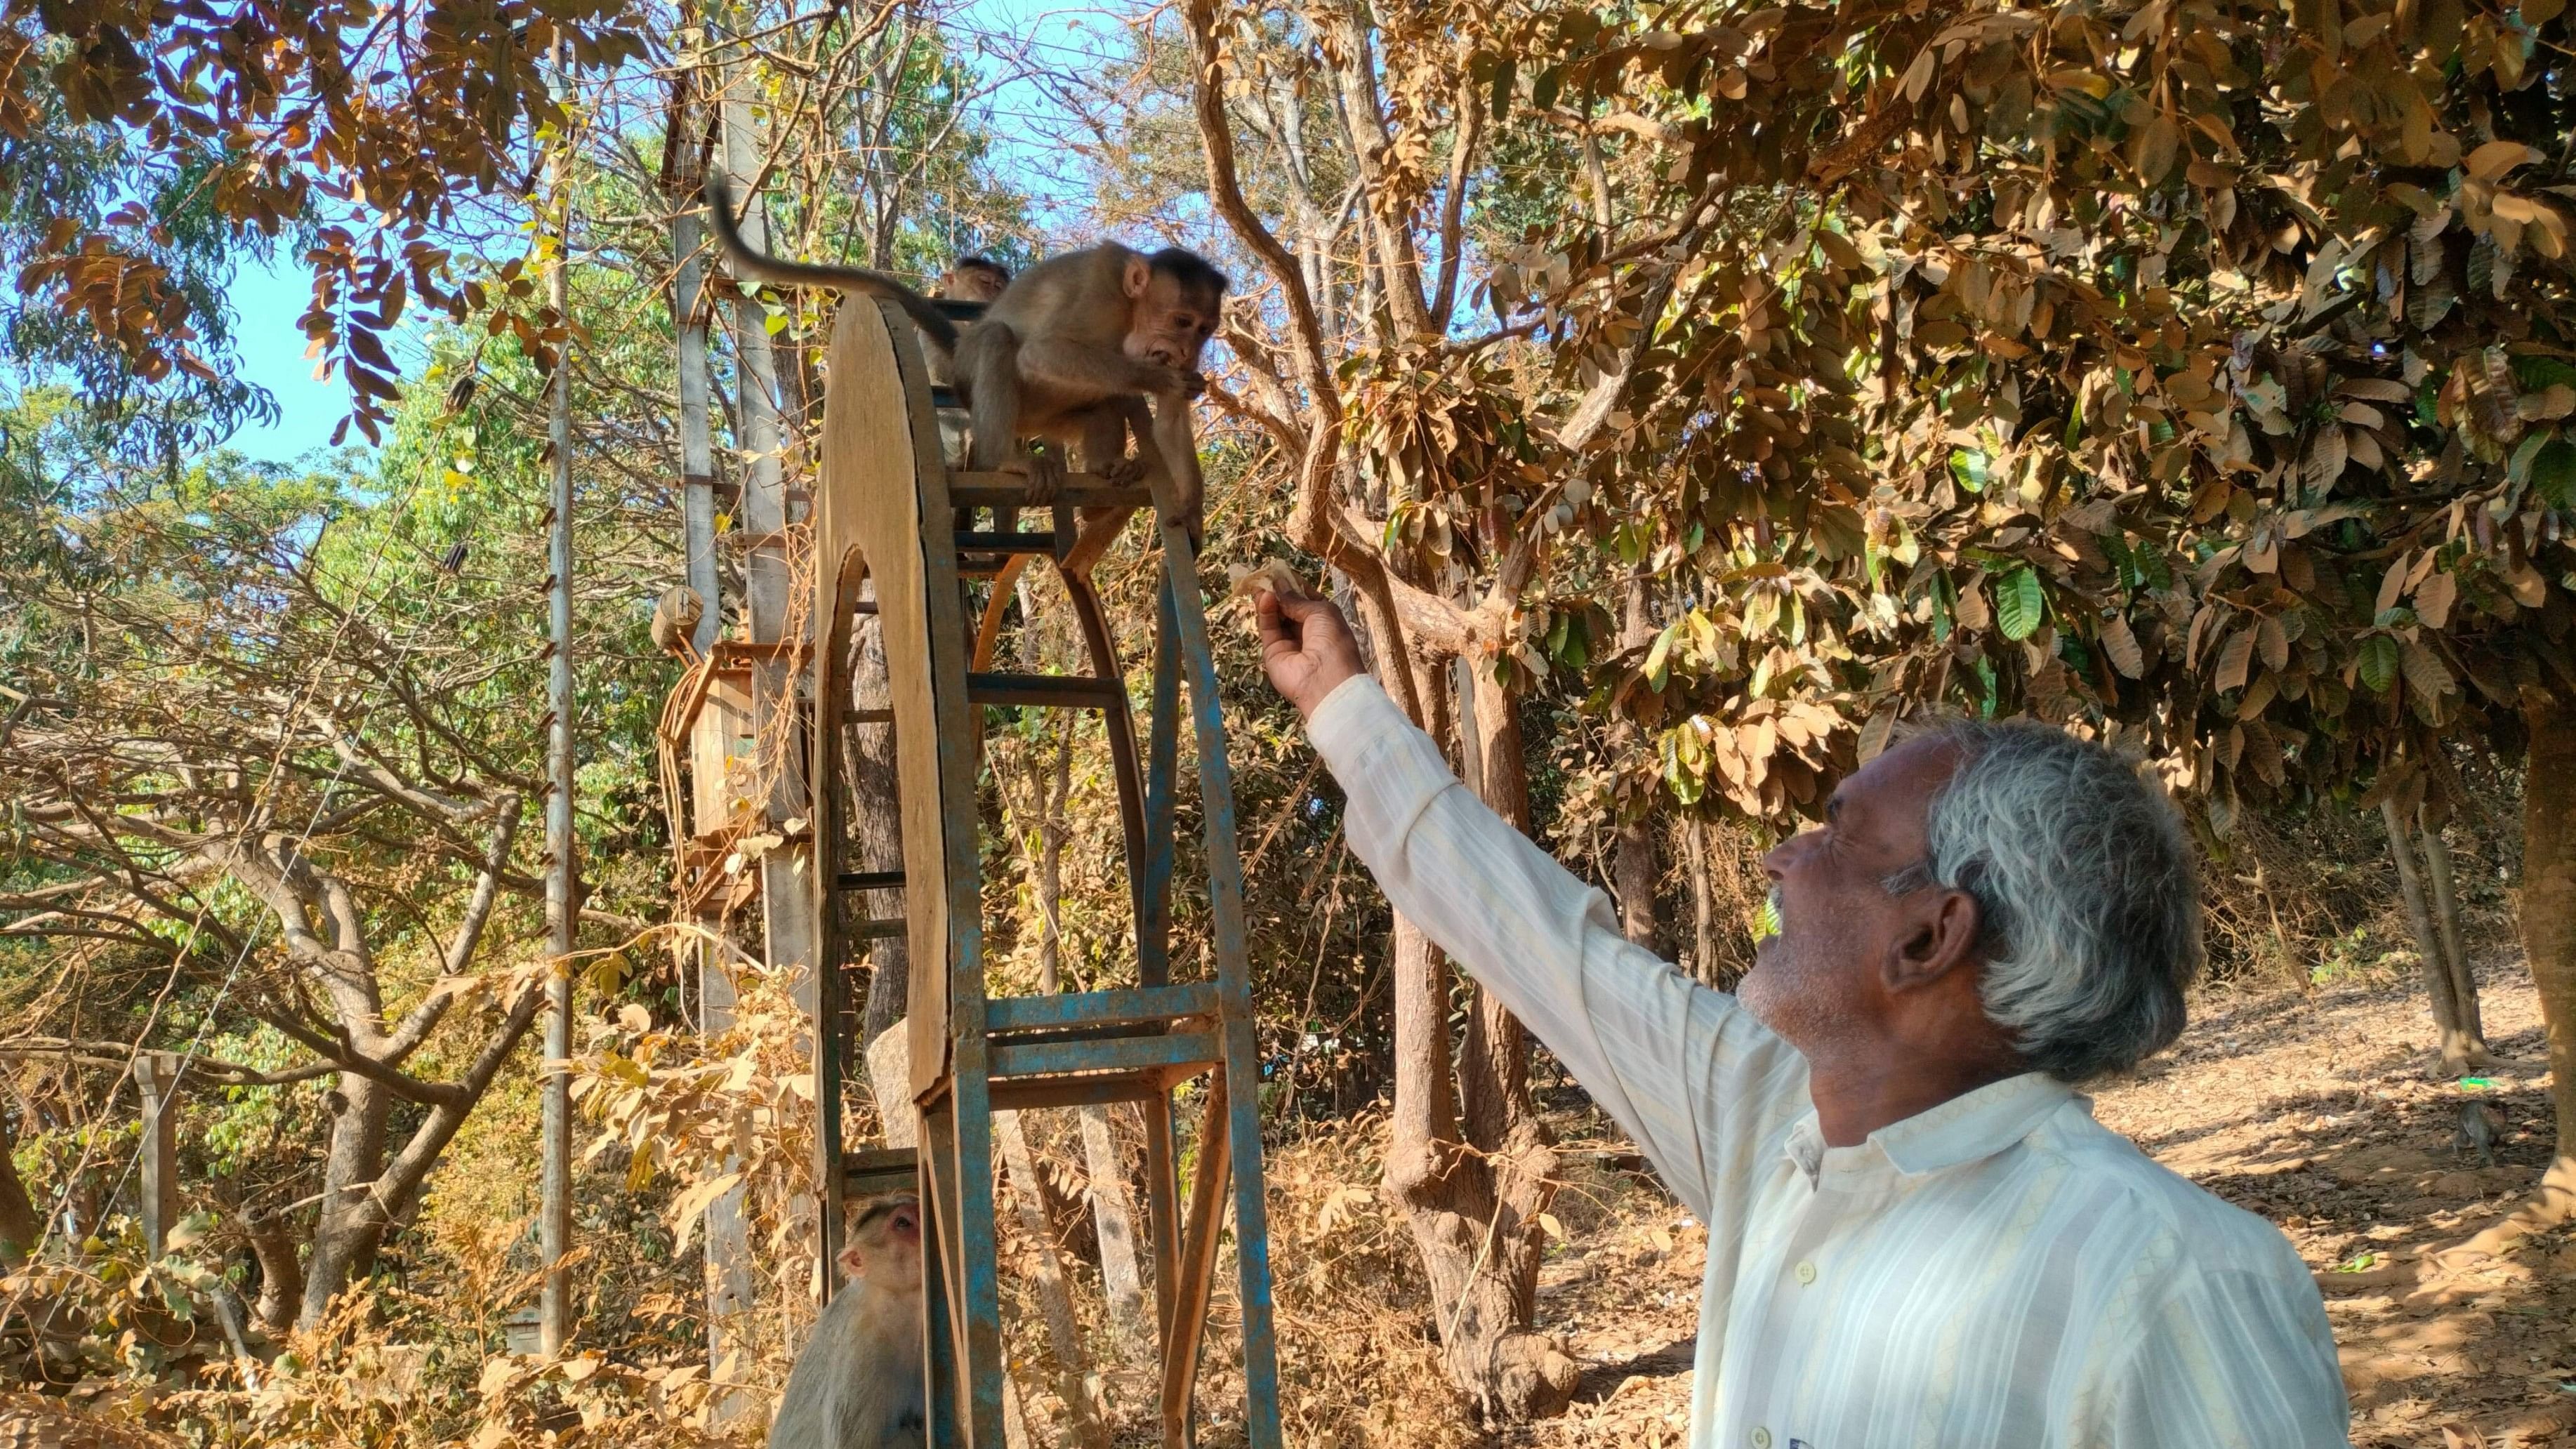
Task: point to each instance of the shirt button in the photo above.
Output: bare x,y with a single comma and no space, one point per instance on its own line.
1807,1272
1761,1438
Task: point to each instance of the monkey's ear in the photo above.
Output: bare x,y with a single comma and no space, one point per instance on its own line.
853,1261
1139,276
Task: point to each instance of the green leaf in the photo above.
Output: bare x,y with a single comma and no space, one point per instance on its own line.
2553,474
2378,662
1969,468
2019,603
1663,646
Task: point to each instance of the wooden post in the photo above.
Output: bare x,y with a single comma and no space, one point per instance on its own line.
554,1226
156,1080
787,914
689,324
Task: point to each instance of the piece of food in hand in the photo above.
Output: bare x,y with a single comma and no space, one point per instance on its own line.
1269,575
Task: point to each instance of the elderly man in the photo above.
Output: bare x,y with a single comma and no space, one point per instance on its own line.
1918,1235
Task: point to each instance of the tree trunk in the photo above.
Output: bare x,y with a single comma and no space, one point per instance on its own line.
1703,900
2457,1051
345,1231
2549,941
1055,1296
281,1277
1633,875
877,826
1469,1161
19,1225
2446,919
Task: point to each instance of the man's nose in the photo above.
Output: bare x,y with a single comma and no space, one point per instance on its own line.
1780,857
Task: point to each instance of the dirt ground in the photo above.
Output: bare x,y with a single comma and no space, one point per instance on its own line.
2311,1108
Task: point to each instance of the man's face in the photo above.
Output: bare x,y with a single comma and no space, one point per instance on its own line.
1820,982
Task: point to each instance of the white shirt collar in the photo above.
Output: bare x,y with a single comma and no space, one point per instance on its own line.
1968,1128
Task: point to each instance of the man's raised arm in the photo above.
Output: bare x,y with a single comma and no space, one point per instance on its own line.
1693,1076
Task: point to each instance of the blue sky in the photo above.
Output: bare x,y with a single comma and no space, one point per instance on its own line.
267,300
265,303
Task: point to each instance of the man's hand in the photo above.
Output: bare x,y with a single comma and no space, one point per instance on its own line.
1306,646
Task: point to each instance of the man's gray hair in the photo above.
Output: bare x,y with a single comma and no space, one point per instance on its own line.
2085,887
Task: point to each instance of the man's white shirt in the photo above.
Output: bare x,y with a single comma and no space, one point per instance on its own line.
1999,1271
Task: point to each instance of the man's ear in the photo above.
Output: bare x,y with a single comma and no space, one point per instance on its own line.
1938,937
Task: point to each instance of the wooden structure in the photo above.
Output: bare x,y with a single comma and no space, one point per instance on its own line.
900,536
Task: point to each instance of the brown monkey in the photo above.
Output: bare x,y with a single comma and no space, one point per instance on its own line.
973,279
2481,1125
675,620
859,1382
1069,353
968,279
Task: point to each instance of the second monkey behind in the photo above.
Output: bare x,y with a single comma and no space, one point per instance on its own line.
1084,349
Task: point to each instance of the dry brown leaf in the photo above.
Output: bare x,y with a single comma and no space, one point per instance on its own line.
1268,576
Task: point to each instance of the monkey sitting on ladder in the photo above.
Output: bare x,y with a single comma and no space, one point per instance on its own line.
858,1384
968,279
1073,351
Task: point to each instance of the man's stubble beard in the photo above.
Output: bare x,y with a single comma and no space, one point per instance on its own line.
1791,988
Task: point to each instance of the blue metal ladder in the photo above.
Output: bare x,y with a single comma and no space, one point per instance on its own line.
891,514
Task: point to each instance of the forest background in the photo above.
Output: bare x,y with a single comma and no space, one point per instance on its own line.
1680,396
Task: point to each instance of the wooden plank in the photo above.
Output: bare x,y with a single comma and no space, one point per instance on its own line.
1047,1059
880,451
1099,1008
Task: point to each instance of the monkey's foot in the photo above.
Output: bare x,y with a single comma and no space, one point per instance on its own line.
1123,472
1046,475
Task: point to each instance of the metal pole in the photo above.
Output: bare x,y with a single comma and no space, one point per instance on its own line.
554,1312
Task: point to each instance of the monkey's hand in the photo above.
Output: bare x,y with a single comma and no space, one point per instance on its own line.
1193,382
1122,472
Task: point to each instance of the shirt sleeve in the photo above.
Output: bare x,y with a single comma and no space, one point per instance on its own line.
1700,1084
2230,1355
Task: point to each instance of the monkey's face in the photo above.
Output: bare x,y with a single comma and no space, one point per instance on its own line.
885,1244
978,284
1172,319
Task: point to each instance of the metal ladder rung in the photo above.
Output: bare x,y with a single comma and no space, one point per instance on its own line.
864,606
893,928
1046,691
870,880
867,716
1091,1089
1194,1049
1099,1008
988,542
883,1169
1011,490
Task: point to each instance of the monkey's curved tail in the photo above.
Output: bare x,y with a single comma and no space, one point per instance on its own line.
759,266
